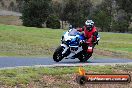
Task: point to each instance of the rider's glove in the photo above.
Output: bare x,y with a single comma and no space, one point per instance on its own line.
81,42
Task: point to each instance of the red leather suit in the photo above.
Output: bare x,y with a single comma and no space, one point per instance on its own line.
90,37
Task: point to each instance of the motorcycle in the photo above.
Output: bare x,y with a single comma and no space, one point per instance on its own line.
71,47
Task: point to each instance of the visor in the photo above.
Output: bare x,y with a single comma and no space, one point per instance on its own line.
89,27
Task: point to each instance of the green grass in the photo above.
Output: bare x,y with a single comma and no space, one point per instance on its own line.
12,77
19,40
16,76
30,41
117,43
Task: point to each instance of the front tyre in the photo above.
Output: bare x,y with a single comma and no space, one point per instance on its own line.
57,56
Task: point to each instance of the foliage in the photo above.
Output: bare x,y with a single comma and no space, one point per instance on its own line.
19,5
103,15
106,14
11,6
35,12
76,12
58,9
120,25
53,22
125,5
111,15
102,20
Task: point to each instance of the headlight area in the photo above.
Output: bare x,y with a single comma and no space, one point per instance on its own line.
66,42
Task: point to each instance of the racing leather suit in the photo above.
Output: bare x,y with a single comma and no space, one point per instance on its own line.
91,36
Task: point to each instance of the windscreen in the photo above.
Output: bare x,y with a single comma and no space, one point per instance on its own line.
73,32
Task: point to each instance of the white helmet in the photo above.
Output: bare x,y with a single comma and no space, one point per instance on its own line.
89,25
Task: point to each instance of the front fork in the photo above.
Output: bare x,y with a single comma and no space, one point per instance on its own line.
65,48
67,53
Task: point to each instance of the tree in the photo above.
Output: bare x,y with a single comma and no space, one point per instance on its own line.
126,6
76,11
58,9
11,6
104,15
2,3
120,26
19,5
102,20
120,23
53,22
35,12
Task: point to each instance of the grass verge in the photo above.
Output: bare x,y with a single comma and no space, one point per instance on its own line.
43,76
30,41
115,44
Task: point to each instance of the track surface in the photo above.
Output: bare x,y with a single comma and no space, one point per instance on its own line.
9,62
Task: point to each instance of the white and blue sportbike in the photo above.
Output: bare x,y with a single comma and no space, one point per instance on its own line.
71,47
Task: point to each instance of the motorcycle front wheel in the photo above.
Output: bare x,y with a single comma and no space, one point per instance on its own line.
57,56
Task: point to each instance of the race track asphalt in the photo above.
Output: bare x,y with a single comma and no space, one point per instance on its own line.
12,62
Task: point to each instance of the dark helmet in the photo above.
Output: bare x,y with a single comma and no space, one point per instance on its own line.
89,25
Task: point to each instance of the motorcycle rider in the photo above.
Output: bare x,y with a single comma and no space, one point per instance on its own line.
91,35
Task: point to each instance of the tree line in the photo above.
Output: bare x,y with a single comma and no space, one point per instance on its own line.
109,16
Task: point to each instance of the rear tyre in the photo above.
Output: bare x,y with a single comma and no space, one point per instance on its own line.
57,56
83,57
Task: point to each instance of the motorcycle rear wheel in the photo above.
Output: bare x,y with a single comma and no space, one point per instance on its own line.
83,57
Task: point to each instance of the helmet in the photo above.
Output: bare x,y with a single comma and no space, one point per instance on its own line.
89,25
